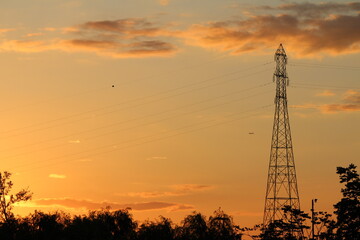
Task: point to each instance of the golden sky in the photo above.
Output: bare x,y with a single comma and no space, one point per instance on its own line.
148,104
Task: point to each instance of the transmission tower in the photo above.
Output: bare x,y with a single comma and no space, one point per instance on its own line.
282,187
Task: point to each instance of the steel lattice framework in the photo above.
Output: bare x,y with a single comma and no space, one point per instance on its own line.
282,187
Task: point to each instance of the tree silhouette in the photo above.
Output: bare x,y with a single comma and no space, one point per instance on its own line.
8,200
194,227
348,208
8,222
160,229
221,227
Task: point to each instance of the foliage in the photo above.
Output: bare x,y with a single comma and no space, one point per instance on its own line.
194,227
291,227
348,208
8,200
161,229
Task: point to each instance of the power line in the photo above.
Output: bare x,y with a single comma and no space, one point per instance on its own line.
145,142
128,106
143,124
146,116
54,99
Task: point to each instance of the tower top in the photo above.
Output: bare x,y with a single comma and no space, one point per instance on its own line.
280,53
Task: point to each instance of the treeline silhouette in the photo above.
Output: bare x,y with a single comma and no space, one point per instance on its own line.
106,224
115,225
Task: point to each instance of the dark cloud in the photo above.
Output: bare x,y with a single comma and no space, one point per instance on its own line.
124,38
131,26
314,10
321,9
305,36
122,50
132,37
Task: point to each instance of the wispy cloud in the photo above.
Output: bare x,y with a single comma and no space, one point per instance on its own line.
177,190
92,205
350,103
34,34
5,30
326,93
77,141
314,10
57,176
164,2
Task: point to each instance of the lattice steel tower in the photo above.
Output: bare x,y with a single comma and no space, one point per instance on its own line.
282,187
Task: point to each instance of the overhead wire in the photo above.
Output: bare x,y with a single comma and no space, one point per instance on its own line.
140,118
3,133
140,125
154,137
145,142
54,99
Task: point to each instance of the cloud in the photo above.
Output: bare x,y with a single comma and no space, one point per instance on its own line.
316,9
58,176
326,93
305,29
6,30
123,38
350,103
74,141
28,46
49,29
164,2
305,36
34,34
91,205
177,190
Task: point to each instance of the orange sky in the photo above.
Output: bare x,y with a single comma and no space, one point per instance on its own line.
148,104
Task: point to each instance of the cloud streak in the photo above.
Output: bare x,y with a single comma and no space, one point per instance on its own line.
177,190
57,176
91,205
350,103
313,10
326,93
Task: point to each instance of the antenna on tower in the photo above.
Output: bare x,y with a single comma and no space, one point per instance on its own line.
281,187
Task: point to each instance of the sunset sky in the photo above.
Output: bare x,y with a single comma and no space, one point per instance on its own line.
148,104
